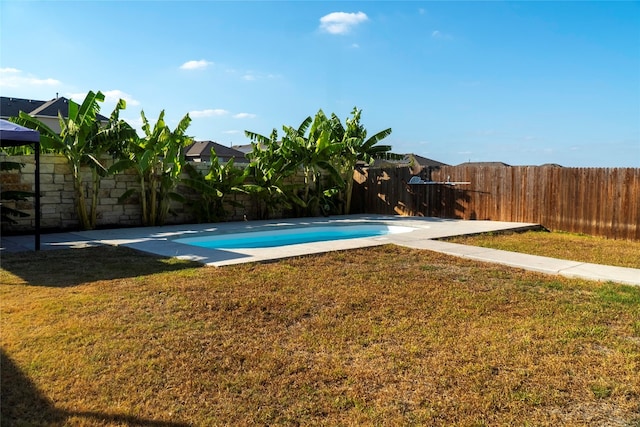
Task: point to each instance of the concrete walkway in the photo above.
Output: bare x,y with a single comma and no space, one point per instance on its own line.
573,269
425,231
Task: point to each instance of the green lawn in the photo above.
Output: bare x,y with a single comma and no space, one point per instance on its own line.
576,247
377,336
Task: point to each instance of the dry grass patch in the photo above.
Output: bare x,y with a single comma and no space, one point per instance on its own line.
570,246
378,336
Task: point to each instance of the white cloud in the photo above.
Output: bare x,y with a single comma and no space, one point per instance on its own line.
486,132
112,96
14,78
252,76
207,113
42,82
244,116
195,65
341,22
76,97
136,123
437,34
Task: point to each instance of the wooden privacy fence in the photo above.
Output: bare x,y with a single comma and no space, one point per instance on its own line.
595,201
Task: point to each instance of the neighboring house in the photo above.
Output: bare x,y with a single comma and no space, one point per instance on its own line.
420,163
415,162
491,164
45,111
200,151
244,148
551,165
501,164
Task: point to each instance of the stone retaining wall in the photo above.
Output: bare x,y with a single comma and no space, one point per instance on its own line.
57,197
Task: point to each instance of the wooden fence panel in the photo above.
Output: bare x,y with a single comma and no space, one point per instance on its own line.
596,201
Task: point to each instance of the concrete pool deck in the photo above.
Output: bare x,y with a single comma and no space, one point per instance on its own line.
159,241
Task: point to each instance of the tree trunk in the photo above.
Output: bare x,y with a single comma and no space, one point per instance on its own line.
307,185
153,203
347,175
348,191
94,197
143,200
81,203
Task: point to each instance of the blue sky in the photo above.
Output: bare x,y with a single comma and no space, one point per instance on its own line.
524,83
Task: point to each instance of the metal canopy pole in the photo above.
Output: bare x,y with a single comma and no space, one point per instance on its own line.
37,172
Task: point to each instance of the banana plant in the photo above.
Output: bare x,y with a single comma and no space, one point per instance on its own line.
269,170
109,140
158,159
82,140
355,147
313,152
214,188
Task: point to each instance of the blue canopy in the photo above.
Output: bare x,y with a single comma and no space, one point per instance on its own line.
12,134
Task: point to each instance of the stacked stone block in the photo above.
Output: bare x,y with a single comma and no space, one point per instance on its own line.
57,201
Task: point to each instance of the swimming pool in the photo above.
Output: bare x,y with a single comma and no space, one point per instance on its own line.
291,236
162,240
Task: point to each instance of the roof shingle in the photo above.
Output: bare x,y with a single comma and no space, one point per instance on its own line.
11,107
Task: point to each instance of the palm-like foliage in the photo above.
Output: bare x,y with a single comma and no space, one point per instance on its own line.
269,169
322,145
313,152
213,189
356,147
158,159
82,140
108,140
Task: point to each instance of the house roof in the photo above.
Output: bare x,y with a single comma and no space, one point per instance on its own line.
243,148
11,107
52,107
492,164
202,150
415,162
551,165
424,161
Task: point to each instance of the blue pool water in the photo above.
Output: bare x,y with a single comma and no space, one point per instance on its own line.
291,236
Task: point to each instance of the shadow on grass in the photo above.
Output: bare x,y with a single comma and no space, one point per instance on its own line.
22,404
72,267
